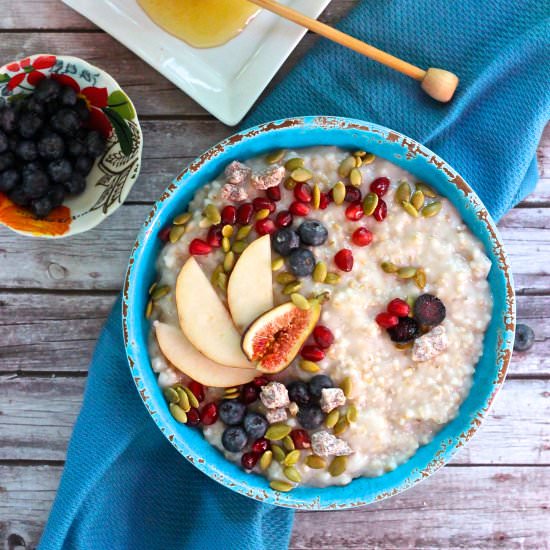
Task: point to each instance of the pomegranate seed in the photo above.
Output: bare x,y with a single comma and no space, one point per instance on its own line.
344,259
354,212
209,414
249,394
198,247
362,236
283,218
381,211
260,381
249,460
352,194
260,203
215,236
274,193
380,186
265,227
198,390
399,307
302,192
164,233
260,445
244,213
323,336
300,208
300,438
387,320
229,215
324,201
312,353
193,417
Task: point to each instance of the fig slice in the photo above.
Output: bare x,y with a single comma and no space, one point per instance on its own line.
274,339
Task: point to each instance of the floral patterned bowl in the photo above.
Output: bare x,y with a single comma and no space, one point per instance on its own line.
112,114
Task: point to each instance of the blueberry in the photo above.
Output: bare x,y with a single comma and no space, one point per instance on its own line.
95,144
51,147
319,383
65,121
60,170
298,392
68,96
255,425
42,207
406,330
313,233
301,262
83,165
57,195
285,240
429,310
19,197
81,109
7,160
35,184
52,107
76,184
310,416
75,148
13,140
47,90
8,180
525,337
234,439
8,120
231,412
26,150
28,124
35,106
4,142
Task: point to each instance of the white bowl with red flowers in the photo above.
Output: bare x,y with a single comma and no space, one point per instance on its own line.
111,113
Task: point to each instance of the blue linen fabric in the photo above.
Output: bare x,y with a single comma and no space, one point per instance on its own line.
124,486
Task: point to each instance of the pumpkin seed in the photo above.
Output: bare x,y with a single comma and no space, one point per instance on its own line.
338,193
301,174
215,273
221,281
407,272
243,232
229,261
265,460
294,163
420,278
152,287
292,457
431,209
193,401
338,466
355,177
369,158
284,278
359,153
341,426
226,244
277,263
231,395
426,189
160,292
171,395
290,288
309,366
289,184
301,302
292,474
403,192
332,278
388,267
358,162
278,453
281,486
316,197
332,418
274,156
351,413
149,309
212,214
370,203
176,233
345,167
315,462
232,390
262,214
184,400
403,345
320,272
410,300
182,219
178,413
277,431
239,247
417,199
227,231
346,386
409,209
288,444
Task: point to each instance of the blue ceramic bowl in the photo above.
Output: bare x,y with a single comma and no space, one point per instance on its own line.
348,134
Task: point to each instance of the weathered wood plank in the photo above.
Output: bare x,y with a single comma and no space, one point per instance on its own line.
57,332
39,428
449,510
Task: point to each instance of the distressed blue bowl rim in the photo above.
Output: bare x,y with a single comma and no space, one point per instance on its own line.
348,133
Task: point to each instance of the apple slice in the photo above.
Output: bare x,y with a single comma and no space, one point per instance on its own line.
185,357
250,288
205,320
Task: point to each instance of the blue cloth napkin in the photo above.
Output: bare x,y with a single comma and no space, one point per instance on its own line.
124,486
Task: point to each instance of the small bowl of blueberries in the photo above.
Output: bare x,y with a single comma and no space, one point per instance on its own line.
70,145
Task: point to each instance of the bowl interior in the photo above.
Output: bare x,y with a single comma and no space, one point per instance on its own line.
350,134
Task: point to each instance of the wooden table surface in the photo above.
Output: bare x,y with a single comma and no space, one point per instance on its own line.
55,296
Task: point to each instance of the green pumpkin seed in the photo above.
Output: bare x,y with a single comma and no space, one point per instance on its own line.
284,278
338,193
301,175
227,231
309,366
338,466
226,244
265,460
243,232
332,278
355,177
292,474
149,309
277,431
417,199
370,203
278,453
160,292
289,184
315,197
369,158
184,399
426,189
351,413
152,287
420,278
221,281
315,462
410,300
229,261
178,413
341,426
290,288
193,401
281,486
409,209
275,156
403,192
346,386
301,302
320,272
431,209
332,418
346,166
239,247
288,444
277,263
171,395
182,219
389,267
292,457
176,233
262,214
215,273
407,272
294,163
212,214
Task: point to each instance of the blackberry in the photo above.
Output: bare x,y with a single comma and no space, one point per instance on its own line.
7,160
83,165
234,439
35,184
42,207
301,262
231,412
26,150
60,170
76,184
47,90
65,121
255,425
313,233
429,310
310,416
4,142
28,124
318,383
406,330
525,337
51,146
8,180
68,97
8,120
95,144
285,240
298,392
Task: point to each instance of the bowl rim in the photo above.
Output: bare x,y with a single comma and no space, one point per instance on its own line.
100,215
139,361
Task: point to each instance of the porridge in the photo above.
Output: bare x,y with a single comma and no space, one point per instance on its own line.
318,314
